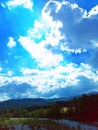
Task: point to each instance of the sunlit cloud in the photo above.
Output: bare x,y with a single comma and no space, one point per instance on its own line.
27,71
10,73
11,42
25,3
78,28
44,57
93,12
61,78
55,56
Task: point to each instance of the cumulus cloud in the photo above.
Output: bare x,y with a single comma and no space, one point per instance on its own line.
41,41
27,71
79,27
60,81
43,56
10,73
62,77
63,32
25,3
93,12
17,90
11,42
84,86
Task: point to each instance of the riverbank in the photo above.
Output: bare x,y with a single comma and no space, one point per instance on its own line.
46,124
83,120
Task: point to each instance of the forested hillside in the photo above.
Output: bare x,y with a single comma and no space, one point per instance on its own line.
79,108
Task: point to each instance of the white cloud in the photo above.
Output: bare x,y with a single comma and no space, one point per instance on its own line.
78,32
11,42
47,30
45,81
43,33
27,71
3,80
10,73
4,96
60,77
2,5
78,27
62,27
38,31
93,12
25,3
44,57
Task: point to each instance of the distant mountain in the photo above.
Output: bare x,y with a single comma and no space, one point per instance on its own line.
34,102
92,93
30,102
18,103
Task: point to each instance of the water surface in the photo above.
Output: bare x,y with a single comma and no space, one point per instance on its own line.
51,125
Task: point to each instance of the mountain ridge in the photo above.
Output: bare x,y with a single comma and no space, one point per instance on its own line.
34,102
29,102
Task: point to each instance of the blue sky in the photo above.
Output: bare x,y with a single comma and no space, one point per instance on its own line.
48,48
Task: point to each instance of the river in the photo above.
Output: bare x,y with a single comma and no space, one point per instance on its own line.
51,124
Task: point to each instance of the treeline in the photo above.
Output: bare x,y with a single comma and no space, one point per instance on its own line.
84,107
53,110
